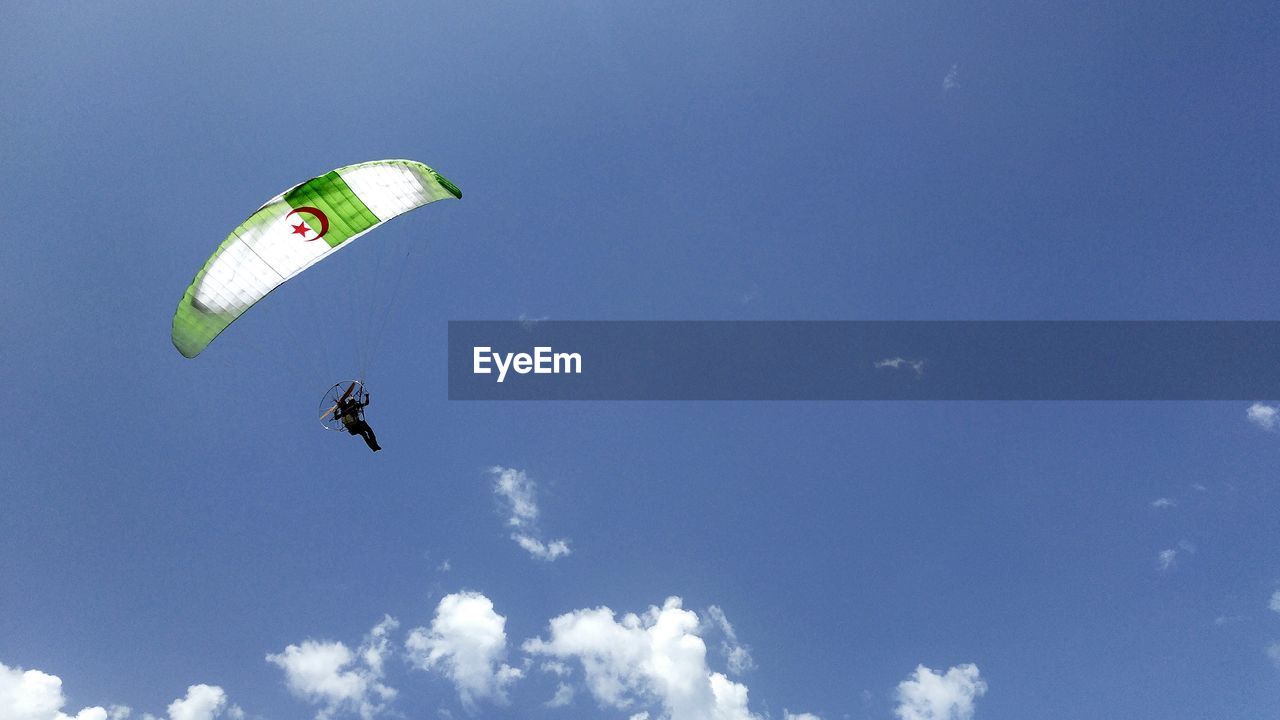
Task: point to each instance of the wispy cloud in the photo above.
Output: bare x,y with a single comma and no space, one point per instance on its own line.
1162,503
528,323
540,550
1274,603
952,79
1167,559
897,363
1266,417
556,668
517,493
737,655
563,696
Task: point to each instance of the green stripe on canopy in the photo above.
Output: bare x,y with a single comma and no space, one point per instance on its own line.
347,214
267,249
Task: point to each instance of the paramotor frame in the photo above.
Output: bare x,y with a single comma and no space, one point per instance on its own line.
353,389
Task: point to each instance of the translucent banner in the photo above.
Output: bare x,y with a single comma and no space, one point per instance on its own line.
864,360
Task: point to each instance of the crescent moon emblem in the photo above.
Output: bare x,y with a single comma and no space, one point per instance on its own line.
319,214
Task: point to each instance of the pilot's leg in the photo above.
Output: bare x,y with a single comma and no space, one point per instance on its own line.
370,439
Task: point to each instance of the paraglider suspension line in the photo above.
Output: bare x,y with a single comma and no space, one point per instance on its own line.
376,341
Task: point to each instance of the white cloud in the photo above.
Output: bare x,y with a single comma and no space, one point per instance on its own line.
331,675
1162,503
656,657
202,702
540,550
737,655
555,667
529,323
1168,558
1273,652
377,645
517,493
1266,417
563,696
518,490
1274,603
739,659
466,643
927,695
36,695
788,715
952,79
899,362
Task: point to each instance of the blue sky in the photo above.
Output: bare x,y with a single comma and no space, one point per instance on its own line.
169,524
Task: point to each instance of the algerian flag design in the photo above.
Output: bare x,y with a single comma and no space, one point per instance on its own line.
292,232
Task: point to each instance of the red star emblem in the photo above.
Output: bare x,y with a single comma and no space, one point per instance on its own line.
302,229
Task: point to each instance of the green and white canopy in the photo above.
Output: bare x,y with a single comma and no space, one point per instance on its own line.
292,232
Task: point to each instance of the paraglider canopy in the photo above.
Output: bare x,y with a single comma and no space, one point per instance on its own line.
293,231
